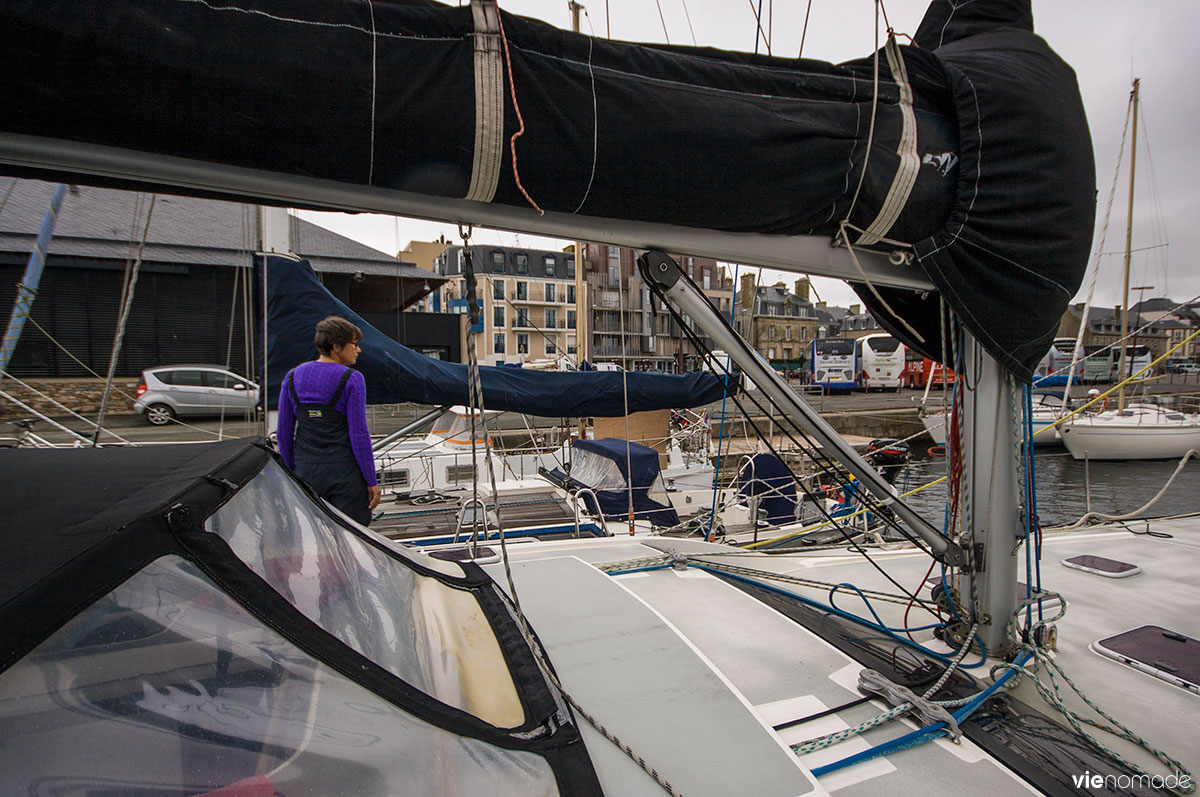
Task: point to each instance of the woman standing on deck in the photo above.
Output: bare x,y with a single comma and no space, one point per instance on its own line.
322,434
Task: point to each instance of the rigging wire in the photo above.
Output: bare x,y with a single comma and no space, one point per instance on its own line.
475,406
688,17
131,278
663,20
804,30
822,461
622,296
759,34
7,194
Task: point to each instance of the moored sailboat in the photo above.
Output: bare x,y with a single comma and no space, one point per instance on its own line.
1136,431
296,650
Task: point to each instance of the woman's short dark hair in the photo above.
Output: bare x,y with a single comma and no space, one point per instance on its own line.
335,331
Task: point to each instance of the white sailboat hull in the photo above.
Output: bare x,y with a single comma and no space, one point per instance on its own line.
1112,437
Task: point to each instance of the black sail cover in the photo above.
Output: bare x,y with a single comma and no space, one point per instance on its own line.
383,94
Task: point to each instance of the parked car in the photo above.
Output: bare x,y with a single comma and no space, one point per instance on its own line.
170,391
1189,368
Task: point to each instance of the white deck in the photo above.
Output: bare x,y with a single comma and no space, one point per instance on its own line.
687,668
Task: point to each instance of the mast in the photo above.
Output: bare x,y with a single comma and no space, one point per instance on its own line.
27,288
581,351
274,237
1133,98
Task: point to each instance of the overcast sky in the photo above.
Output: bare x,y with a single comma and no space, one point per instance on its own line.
1108,42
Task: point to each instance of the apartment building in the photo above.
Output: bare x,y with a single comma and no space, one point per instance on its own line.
632,329
779,323
529,305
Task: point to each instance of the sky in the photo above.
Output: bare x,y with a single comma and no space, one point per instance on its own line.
1108,42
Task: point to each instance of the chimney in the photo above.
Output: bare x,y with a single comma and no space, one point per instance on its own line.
856,309
821,305
802,289
746,293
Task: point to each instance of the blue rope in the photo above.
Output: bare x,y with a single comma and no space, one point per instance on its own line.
1027,455
871,609
852,618
921,735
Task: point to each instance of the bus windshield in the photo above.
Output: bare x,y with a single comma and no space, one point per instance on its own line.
833,346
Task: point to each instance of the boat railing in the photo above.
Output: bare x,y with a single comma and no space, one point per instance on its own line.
576,500
475,504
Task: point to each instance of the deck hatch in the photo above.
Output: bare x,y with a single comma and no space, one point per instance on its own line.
1102,566
1157,651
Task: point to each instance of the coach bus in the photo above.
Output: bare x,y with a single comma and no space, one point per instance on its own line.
1056,366
880,362
831,363
920,370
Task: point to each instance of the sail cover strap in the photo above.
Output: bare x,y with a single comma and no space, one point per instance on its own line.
910,164
489,102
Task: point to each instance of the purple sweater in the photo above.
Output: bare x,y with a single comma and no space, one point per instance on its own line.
315,382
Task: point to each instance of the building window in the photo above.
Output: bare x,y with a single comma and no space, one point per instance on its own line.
522,318
522,291
771,334
570,319
550,292
498,261
571,294
549,262
498,290
771,354
707,278
498,343
498,317
571,267
521,263
522,344
551,319
550,347
787,333
614,265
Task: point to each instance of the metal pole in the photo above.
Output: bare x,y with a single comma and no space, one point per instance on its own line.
28,286
660,269
408,427
1128,248
993,519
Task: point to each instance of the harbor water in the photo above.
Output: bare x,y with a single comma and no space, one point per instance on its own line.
1068,488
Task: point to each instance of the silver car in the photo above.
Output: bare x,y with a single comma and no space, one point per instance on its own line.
170,391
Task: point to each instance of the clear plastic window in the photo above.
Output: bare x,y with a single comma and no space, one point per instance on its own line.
168,687
432,636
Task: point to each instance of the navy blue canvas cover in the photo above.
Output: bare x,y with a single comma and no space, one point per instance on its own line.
765,476
638,465
297,301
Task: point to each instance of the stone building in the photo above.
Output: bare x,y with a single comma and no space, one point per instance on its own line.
628,329
529,302
779,324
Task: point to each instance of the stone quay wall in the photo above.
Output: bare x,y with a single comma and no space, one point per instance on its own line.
80,395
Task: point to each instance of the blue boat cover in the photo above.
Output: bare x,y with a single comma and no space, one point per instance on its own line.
764,475
618,470
394,373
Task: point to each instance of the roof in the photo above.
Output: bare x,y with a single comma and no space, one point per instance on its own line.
107,224
1156,305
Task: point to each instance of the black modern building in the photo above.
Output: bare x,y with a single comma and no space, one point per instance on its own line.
194,286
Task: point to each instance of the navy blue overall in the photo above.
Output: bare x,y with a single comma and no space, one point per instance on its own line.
323,454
